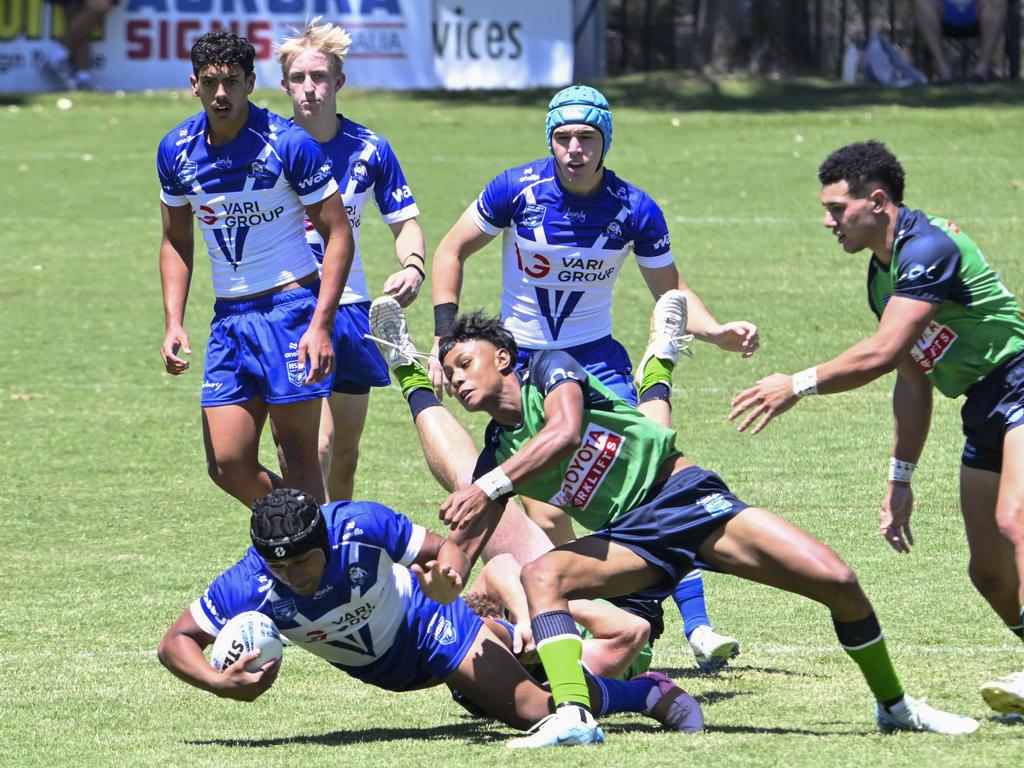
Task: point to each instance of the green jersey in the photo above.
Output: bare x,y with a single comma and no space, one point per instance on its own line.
620,449
977,323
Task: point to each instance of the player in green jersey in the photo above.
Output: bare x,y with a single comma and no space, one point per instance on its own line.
557,433
945,320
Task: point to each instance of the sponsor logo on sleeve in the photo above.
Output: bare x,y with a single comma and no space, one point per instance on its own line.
529,175
932,345
323,173
588,467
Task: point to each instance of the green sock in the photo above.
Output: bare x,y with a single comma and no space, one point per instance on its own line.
562,658
876,666
655,371
410,377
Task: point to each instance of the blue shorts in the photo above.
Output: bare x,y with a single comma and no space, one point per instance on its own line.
430,644
359,364
994,406
673,521
604,359
253,349
959,15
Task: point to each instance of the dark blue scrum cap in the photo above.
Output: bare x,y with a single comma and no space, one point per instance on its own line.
287,523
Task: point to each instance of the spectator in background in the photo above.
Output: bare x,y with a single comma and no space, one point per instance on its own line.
67,65
961,18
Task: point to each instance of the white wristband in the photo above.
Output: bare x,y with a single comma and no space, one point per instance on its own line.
901,471
805,382
494,484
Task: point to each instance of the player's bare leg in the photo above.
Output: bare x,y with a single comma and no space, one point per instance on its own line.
339,457
1006,694
231,435
451,457
555,524
296,427
991,566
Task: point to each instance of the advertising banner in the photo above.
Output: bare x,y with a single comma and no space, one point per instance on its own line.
397,44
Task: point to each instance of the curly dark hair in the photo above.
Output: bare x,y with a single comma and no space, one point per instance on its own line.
221,47
477,325
862,165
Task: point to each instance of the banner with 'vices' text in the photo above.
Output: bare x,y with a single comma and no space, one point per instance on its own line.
396,44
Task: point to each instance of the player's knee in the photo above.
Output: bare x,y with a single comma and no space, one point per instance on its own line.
635,632
228,473
1010,520
990,577
344,460
541,579
842,587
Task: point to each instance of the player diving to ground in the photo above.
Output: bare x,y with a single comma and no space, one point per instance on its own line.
335,581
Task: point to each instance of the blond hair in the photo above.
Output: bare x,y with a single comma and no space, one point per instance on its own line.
327,38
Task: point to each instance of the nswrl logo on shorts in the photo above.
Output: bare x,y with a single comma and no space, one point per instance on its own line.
715,503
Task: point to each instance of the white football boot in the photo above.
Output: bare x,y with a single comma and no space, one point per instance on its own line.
389,329
668,332
1006,694
671,706
711,649
914,715
568,726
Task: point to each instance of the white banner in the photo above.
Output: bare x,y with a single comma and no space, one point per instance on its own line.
397,44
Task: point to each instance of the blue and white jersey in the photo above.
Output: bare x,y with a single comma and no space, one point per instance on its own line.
248,196
364,166
353,618
561,254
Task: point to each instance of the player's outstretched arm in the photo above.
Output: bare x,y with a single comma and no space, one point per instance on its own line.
901,324
912,414
736,336
181,651
405,284
176,261
331,222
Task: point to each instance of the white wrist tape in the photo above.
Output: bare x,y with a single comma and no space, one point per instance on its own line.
494,484
805,382
901,471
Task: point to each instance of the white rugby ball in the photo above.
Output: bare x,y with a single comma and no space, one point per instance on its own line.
247,632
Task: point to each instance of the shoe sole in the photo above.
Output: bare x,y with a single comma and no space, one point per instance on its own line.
719,658
1002,700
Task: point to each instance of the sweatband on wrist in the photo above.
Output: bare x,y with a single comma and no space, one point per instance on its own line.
805,382
494,484
423,275
444,317
414,255
901,471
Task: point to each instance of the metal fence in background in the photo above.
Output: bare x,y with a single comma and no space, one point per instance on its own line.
788,37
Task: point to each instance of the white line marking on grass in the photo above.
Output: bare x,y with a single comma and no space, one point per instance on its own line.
749,651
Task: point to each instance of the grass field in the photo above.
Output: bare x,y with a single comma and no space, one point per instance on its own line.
110,526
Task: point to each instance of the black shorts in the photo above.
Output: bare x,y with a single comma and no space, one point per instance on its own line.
994,406
673,521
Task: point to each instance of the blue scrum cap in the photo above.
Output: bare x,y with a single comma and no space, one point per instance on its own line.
581,104
287,523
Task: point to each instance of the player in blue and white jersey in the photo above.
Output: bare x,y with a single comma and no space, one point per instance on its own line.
249,177
365,168
568,225
336,583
